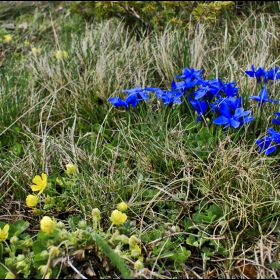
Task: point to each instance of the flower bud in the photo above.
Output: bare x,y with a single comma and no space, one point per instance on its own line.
54,251
82,224
63,235
21,264
122,206
60,225
44,254
44,269
29,242
49,242
96,213
123,239
20,257
135,251
133,240
138,265
14,240
9,261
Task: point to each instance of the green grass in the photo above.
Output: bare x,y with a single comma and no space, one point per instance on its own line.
200,199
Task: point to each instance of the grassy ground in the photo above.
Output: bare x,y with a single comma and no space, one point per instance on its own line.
202,202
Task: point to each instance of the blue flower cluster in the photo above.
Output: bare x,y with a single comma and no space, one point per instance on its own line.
221,98
267,144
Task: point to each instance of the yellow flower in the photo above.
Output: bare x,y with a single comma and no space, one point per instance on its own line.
26,43
58,181
36,50
138,265
4,233
40,183
61,54
71,168
47,224
135,251
118,218
31,200
122,206
7,38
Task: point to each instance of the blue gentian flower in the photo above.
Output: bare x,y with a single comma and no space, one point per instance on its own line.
276,121
263,97
230,119
233,102
256,74
168,96
130,100
140,93
271,75
229,90
274,135
190,74
199,106
183,85
264,145
209,88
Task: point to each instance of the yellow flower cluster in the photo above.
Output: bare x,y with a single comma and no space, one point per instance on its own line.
39,184
71,168
8,38
61,54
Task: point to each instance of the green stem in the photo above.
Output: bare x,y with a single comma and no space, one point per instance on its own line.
258,118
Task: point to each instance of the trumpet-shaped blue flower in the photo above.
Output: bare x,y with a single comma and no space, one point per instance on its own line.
264,145
256,74
168,96
199,106
130,100
140,93
230,119
229,90
262,73
274,120
208,88
274,135
190,74
263,97
183,85
271,75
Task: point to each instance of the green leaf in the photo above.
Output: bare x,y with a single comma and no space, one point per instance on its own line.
3,272
192,241
17,228
216,210
181,256
38,247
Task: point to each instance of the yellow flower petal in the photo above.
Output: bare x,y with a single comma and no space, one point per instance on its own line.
40,183
122,206
4,233
118,218
31,200
47,224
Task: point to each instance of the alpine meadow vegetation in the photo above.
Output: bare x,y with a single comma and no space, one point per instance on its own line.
139,139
